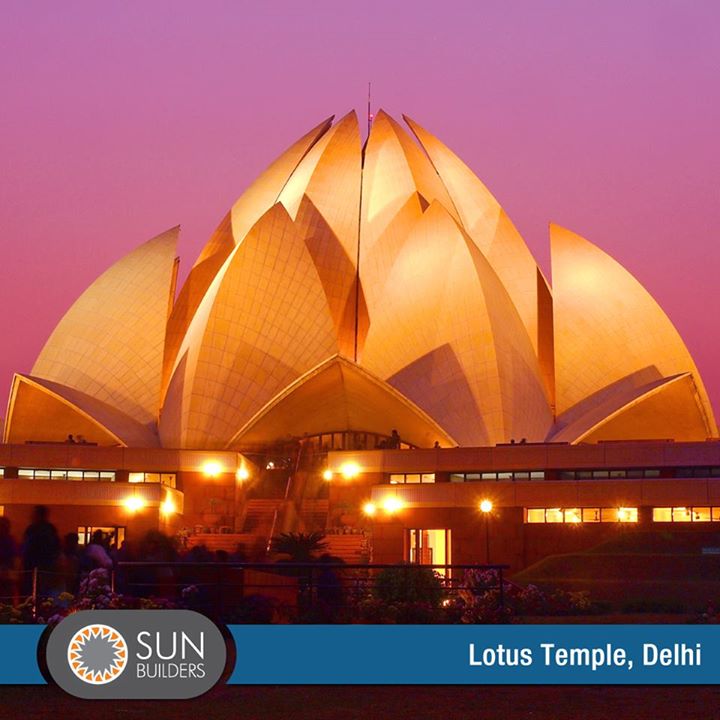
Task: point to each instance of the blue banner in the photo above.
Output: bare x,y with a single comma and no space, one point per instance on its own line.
476,654
18,655
442,654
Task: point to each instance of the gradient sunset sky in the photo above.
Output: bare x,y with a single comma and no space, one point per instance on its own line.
119,120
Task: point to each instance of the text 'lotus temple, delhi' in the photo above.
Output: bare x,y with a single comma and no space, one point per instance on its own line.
366,347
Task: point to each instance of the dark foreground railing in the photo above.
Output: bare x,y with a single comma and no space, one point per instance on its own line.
220,588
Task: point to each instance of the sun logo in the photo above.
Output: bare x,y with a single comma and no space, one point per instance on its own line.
97,654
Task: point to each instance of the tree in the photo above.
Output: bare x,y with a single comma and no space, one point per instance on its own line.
299,547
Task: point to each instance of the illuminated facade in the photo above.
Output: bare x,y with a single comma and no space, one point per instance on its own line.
355,297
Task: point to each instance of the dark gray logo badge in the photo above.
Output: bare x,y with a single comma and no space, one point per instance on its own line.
136,654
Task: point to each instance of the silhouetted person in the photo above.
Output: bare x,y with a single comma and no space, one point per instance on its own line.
70,562
395,440
437,445
96,554
8,556
41,550
70,439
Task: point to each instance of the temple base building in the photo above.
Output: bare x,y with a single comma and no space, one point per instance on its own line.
366,347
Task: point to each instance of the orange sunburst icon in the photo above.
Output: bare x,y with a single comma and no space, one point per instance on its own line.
97,654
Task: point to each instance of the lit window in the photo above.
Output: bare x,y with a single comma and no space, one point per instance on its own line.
701,514
536,515
662,514
573,515
591,515
681,514
625,514
554,515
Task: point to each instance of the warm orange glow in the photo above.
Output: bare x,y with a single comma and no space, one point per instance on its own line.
327,475
350,470
369,508
486,506
134,503
168,506
625,514
212,468
392,504
242,474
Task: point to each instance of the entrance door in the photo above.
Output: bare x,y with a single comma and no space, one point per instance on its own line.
430,547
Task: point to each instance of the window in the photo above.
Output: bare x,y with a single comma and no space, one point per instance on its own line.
115,534
576,516
412,478
168,479
686,514
38,474
499,475
430,547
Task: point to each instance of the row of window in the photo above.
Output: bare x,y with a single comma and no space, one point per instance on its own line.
498,475
169,479
582,515
623,514
619,473
36,474
411,478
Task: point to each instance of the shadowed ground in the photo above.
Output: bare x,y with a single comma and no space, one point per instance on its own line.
396,702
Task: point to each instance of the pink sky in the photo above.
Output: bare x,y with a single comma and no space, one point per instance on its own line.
121,119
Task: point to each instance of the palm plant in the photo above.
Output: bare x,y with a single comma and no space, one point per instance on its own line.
299,547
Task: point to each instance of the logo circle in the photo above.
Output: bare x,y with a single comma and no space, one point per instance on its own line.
97,654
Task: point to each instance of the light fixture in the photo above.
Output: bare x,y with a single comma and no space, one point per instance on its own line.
134,503
392,504
486,506
168,506
212,468
369,508
350,470
242,474
327,475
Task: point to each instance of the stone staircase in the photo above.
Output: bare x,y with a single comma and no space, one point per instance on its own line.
353,549
259,514
314,515
228,542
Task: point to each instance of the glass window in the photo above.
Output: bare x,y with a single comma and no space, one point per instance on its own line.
504,476
567,474
152,477
537,475
136,477
107,476
412,479
536,515
522,476
608,515
573,515
652,473
600,474
553,515
42,474
488,476
626,514
583,474
470,477
591,514
681,514
428,478
75,475
701,514
618,473
91,475
715,513
457,477
714,472
395,479
662,514
635,473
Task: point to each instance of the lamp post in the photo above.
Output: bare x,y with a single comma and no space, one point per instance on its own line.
486,507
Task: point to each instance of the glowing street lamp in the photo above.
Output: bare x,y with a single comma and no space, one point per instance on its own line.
327,475
134,503
212,468
486,507
350,470
369,508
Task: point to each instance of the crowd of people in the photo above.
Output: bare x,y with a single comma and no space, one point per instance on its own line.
44,564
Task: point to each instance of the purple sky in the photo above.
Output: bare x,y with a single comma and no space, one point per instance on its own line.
121,119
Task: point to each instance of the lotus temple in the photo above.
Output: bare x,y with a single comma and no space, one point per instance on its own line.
366,347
